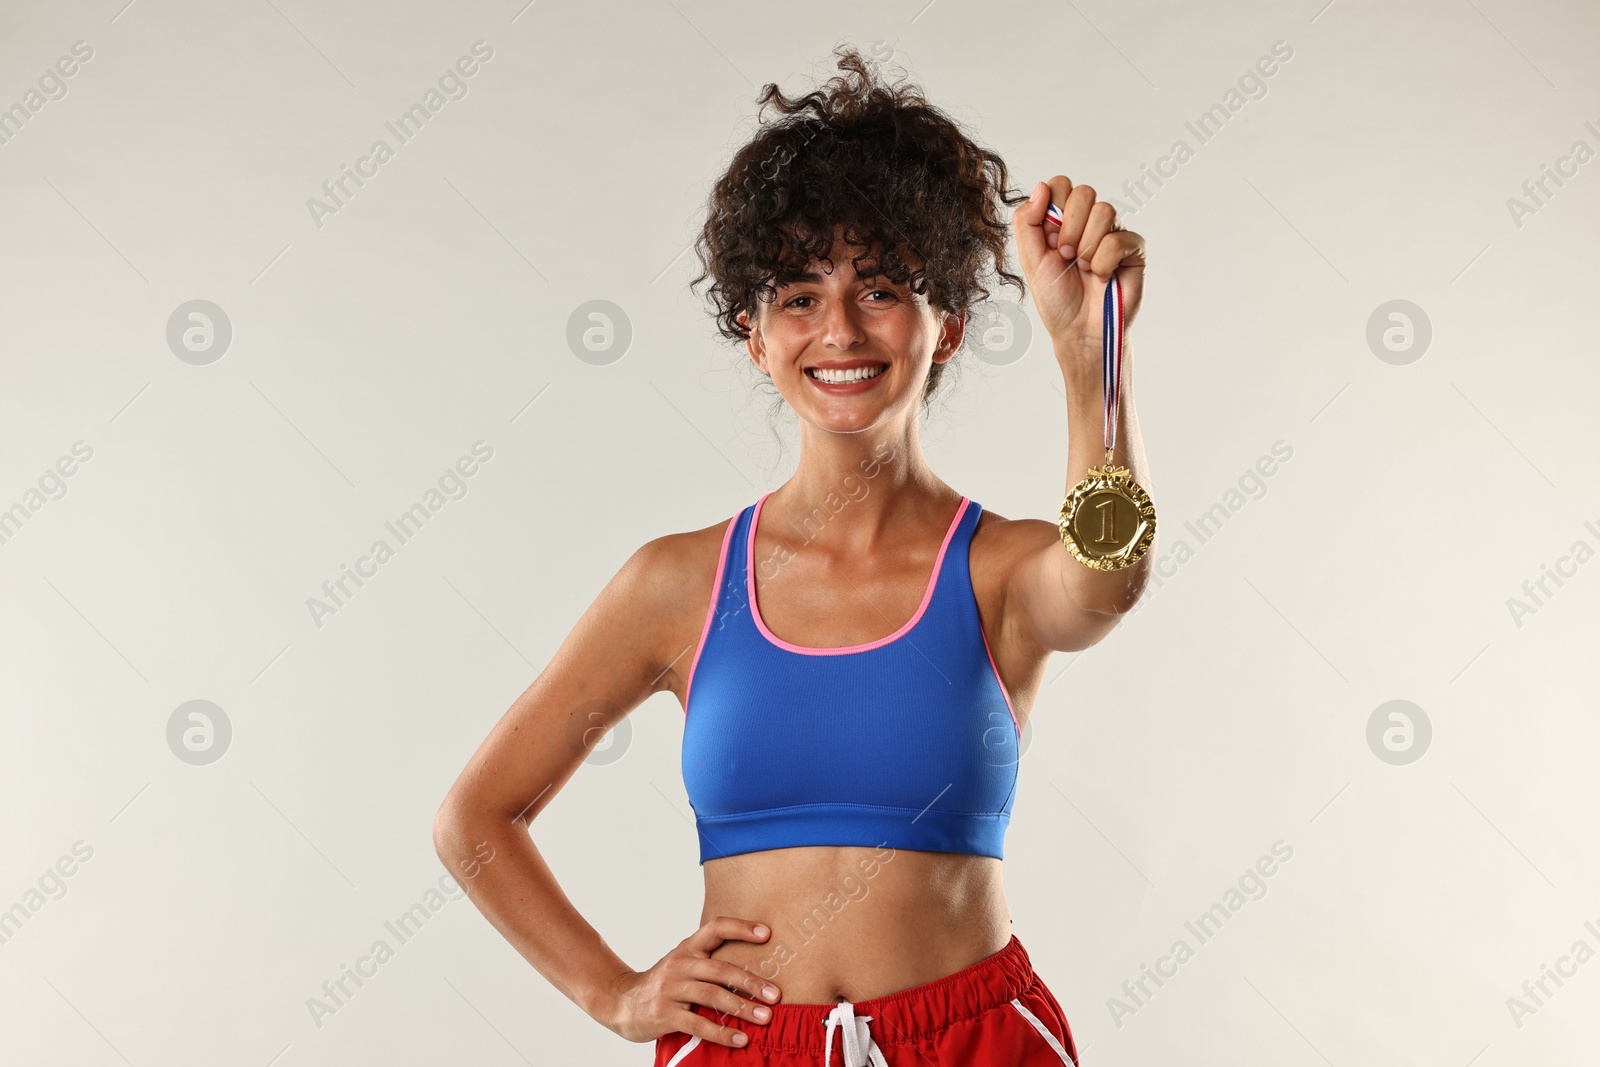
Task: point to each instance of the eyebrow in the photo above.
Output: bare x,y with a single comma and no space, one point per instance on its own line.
812,277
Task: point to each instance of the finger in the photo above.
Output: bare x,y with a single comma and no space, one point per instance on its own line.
1028,223
723,1001
707,939
1035,230
697,1025
1074,216
740,979
1118,248
1102,221
1060,188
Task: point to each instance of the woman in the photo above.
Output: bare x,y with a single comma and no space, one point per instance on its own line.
861,645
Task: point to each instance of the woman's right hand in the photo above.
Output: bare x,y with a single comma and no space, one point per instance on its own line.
643,1005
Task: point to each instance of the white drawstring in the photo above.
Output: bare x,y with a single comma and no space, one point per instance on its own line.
860,1050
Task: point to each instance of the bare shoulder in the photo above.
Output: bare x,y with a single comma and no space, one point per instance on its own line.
999,544
999,547
671,579
673,565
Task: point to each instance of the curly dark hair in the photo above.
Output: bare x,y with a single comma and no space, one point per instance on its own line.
897,173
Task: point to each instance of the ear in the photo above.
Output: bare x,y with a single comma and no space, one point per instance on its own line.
954,328
755,344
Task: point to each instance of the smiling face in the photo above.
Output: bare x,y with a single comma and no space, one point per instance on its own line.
848,352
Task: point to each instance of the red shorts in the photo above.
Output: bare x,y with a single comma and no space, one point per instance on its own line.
995,1013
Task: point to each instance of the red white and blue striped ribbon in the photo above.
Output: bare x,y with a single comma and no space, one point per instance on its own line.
1110,350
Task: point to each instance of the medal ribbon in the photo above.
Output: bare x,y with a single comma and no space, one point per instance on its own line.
1111,359
1111,332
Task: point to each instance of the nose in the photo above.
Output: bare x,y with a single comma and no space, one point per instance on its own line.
841,328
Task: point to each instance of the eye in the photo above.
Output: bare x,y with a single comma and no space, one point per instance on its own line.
794,302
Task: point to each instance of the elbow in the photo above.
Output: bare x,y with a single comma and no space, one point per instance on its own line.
463,839
463,824
1108,606
1120,606
1123,597
448,824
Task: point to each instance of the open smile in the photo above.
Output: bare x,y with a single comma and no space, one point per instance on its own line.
846,379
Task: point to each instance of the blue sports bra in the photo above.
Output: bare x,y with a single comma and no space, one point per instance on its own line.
908,741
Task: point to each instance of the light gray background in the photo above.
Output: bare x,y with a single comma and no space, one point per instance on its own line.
431,312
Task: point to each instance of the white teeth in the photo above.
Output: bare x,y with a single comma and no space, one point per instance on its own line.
841,377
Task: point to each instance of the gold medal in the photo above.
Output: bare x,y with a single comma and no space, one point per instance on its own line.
1107,521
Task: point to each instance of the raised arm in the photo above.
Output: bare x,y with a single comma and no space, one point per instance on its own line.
1063,604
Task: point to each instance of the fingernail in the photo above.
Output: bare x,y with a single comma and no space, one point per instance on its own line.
761,931
770,992
1037,189
763,1014
1067,250
740,1038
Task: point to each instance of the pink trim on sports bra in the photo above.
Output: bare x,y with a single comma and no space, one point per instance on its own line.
1001,682
711,611
927,595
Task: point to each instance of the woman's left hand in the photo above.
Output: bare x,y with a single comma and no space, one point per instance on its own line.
1068,267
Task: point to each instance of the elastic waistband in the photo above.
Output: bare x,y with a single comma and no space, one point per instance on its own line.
897,1017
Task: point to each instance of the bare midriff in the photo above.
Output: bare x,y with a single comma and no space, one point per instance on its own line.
852,923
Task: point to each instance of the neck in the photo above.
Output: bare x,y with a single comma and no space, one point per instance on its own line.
856,487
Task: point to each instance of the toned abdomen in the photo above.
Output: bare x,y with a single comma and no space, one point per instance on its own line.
855,923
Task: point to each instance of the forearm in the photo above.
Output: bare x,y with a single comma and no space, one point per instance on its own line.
517,892
1110,592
